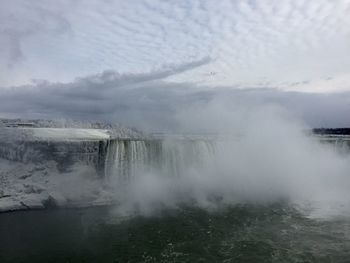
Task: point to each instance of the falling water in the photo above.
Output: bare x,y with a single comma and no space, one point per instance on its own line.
125,159
341,144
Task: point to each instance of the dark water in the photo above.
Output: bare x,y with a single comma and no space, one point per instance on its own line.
274,233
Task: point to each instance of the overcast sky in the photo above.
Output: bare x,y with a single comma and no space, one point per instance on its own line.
105,58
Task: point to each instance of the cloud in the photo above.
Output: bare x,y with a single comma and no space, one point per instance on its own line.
149,102
250,41
20,21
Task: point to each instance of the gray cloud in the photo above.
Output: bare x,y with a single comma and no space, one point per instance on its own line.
147,101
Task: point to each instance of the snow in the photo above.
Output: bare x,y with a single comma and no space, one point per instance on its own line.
34,150
35,201
38,186
68,134
10,204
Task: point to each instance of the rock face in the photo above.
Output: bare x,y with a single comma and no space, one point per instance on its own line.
23,186
45,167
42,185
64,153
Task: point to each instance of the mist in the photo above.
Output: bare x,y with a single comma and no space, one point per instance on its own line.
261,155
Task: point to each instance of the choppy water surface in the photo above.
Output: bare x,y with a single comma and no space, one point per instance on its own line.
273,233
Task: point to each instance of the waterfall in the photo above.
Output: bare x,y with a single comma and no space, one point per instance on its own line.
125,159
342,146
181,155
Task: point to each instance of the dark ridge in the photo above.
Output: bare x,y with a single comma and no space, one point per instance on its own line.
329,131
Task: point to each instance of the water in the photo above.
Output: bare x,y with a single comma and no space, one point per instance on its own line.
125,159
243,233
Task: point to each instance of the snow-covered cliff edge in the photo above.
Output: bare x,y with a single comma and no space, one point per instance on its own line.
43,165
